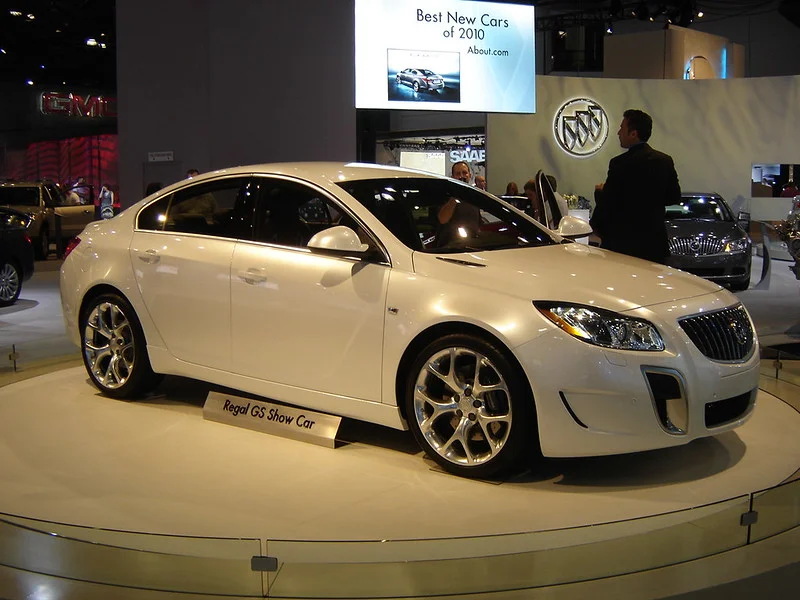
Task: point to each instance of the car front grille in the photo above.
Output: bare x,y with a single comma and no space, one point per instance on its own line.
724,335
695,246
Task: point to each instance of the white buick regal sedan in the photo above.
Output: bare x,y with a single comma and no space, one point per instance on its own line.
413,301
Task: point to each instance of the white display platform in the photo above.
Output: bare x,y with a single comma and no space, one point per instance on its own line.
68,454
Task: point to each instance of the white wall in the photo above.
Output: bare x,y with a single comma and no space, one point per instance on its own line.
715,131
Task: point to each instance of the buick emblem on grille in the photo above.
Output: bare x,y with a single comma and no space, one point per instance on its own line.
694,245
739,331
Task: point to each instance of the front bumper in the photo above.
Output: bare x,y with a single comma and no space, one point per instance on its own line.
727,268
602,401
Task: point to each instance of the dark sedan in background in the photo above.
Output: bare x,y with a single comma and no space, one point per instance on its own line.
706,239
16,254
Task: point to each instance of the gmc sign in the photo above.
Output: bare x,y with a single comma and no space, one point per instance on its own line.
74,105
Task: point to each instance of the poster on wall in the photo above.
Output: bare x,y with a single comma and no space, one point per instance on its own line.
456,55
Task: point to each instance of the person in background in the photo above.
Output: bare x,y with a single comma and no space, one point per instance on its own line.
535,209
790,190
81,188
457,219
106,202
512,189
480,182
629,207
192,173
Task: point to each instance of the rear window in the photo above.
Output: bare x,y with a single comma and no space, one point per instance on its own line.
19,196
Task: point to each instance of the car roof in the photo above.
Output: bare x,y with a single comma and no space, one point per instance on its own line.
692,194
320,172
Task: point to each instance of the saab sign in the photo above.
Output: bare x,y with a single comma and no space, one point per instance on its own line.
66,104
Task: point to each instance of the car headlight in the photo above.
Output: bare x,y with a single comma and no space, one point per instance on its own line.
738,245
602,327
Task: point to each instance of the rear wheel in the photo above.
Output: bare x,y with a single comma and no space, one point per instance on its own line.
114,349
468,408
10,283
42,247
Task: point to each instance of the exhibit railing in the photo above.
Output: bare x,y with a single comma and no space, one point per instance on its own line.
394,568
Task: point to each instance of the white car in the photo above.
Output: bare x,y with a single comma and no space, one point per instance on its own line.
337,287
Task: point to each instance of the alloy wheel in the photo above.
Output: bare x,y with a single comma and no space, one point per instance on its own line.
462,406
9,283
108,345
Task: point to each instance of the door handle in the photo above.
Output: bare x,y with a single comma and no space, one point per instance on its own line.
150,257
253,276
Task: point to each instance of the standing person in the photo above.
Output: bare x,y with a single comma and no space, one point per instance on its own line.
512,189
480,182
81,188
629,211
106,202
192,173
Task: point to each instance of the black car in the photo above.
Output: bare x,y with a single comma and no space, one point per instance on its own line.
706,239
16,254
421,79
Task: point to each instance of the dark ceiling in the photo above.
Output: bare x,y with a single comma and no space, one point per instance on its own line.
44,41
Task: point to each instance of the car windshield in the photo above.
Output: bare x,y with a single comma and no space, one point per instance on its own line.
19,196
699,207
441,216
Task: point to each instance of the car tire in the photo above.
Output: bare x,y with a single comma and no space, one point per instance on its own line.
42,247
10,283
473,431
416,86
114,349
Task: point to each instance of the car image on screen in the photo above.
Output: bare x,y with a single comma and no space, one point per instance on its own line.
421,79
413,301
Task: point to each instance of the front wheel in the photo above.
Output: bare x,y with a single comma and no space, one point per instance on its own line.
114,348
468,408
416,86
10,283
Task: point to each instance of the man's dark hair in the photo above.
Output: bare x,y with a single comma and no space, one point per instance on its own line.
460,162
552,181
639,121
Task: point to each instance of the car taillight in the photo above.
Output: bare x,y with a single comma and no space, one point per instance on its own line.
73,243
27,238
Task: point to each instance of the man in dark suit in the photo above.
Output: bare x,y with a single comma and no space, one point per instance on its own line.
629,206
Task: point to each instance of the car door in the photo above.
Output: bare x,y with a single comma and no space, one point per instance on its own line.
181,254
303,318
71,218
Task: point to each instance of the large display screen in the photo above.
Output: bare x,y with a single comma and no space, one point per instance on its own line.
445,55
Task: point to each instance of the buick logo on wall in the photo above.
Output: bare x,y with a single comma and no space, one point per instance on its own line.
581,127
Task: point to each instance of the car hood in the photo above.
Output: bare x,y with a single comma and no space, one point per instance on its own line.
568,273
693,227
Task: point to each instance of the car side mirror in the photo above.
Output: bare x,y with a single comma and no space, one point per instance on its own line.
338,239
573,227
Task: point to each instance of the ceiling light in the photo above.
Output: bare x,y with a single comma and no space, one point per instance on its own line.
31,17
29,82
15,13
700,14
91,42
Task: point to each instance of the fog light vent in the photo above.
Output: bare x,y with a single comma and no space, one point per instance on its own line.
669,399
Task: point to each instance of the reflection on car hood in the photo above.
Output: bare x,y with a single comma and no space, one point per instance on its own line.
567,272
693,227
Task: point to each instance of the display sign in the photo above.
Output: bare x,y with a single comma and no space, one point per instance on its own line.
580,127
67,104
453,55
277,419
165,156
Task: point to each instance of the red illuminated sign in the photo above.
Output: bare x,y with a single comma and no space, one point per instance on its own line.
75,105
